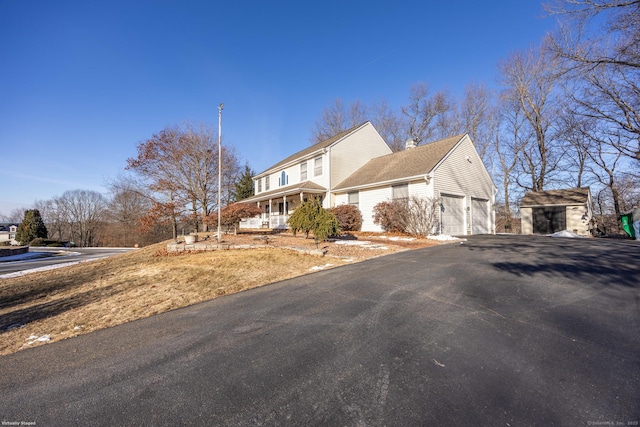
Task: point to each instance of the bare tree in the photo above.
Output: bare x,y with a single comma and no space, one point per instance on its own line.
84,212
126,207
180,166
478,116
530,79
430,116
600,44
507,145
338,118
390,125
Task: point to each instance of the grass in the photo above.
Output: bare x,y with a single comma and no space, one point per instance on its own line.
74,300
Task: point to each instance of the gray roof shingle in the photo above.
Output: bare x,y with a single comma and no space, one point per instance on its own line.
403,164
569,196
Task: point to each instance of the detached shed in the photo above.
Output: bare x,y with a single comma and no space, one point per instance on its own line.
547,212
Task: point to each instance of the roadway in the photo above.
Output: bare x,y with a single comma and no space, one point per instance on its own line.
52,257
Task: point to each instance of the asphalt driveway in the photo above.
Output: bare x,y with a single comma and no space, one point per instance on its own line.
503,331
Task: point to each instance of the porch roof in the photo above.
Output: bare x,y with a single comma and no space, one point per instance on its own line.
290,190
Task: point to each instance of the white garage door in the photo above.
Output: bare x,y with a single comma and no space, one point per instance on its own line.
480,216
452,215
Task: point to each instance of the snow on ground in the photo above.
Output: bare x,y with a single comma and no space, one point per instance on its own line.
362,243
444,237
35,338
353,242
321,267
396,239
566,233
49,267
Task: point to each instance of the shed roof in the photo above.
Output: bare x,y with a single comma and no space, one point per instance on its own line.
403,164
569,196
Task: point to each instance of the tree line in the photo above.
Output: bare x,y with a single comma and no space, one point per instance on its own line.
566,112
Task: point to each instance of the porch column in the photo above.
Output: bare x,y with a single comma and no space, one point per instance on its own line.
301,197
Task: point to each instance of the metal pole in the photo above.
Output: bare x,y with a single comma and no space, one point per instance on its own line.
219,168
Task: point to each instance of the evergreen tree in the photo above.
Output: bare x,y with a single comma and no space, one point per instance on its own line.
310,216
31,227
244,186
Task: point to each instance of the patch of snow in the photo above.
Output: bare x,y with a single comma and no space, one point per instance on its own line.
566,233
380,247
444,237
34,339
321,267
396,238
353,242
49,267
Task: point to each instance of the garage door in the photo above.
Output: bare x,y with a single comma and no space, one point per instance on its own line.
480,216
453,215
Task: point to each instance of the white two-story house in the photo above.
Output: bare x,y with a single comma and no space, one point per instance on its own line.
357,167
312,172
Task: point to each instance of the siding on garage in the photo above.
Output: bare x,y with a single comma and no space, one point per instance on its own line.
462,173
368,199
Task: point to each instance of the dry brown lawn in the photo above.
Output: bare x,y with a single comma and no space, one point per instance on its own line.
48,306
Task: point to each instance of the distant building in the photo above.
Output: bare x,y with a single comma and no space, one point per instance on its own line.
8,233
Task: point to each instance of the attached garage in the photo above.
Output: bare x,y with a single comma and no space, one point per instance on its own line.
480,217
452,215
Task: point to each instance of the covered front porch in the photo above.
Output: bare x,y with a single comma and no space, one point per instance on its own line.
279,204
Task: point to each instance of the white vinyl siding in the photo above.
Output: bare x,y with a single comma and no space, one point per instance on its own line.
462,173
368,199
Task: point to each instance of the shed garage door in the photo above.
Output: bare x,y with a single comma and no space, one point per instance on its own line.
480,216
452,215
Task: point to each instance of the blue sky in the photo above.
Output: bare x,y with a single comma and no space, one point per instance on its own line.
83,82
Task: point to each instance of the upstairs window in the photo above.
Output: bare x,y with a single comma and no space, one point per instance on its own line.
284,179
259,183
303,171
400,191
266,182
317,168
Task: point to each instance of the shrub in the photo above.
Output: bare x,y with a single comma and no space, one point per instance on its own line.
232,214
415,215
392,215
310,216
348,216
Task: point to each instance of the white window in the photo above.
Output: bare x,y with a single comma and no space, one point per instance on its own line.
266,182
354,199
400,191
303,171
317,169
259,181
